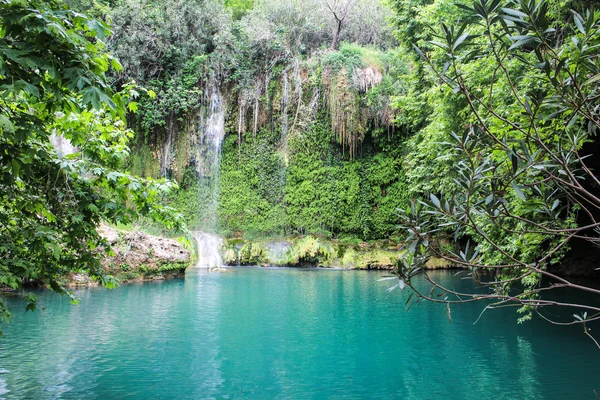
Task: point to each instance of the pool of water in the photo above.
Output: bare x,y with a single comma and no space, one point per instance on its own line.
284,333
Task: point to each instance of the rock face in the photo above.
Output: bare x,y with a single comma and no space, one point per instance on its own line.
137,248
139,256
581,261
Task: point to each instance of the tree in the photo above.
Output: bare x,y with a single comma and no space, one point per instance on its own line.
525,188
340,11
53,84
155,40
239,8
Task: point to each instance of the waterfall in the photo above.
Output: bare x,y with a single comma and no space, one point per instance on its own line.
211,139
285,101
209,250
166,159
62,145
208,157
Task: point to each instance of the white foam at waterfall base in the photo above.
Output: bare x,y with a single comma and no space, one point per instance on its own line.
209,250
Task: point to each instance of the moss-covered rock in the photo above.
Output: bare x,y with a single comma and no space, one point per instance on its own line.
371,258
438,263
310,251
313,251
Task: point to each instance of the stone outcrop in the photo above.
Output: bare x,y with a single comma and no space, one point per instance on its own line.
137,256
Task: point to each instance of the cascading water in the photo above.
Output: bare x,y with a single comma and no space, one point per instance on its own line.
61,145
166,159
208,156
209,255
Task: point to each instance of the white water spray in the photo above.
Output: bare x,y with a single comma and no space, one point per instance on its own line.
62,145
209,250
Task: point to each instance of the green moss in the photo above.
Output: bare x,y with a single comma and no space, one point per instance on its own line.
176,266
230,257
438,263
143,162
251,253
126,272
128,276
350,258
378,259
311,251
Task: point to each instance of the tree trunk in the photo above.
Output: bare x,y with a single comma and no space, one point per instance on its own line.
336,36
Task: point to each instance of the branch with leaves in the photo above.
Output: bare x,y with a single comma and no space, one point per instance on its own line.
523,188
53,67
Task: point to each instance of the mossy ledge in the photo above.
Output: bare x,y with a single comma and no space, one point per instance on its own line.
312,251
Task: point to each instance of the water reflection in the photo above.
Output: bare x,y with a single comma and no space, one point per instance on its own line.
282,333
204,348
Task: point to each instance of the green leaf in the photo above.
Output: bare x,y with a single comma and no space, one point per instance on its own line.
460,40
593,79
518,191
6,124
419,52
578,19
435,200
514,12
98,29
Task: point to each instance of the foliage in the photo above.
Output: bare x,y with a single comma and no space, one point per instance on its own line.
53,85
176,96
157,39
182,55
310,250
239,8
317,192
359,85
523,187
164,45
308,25
252,186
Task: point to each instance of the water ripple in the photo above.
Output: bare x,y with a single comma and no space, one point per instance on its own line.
251,333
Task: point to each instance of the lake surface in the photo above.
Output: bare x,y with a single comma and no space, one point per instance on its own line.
284,333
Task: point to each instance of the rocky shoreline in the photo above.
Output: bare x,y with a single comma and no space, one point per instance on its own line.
135,256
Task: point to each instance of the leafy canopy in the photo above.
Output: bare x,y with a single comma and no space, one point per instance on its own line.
53,87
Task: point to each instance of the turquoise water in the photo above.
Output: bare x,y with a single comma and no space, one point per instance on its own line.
284,333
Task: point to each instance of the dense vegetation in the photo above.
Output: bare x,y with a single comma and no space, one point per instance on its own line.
313,148
53,83
467,141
